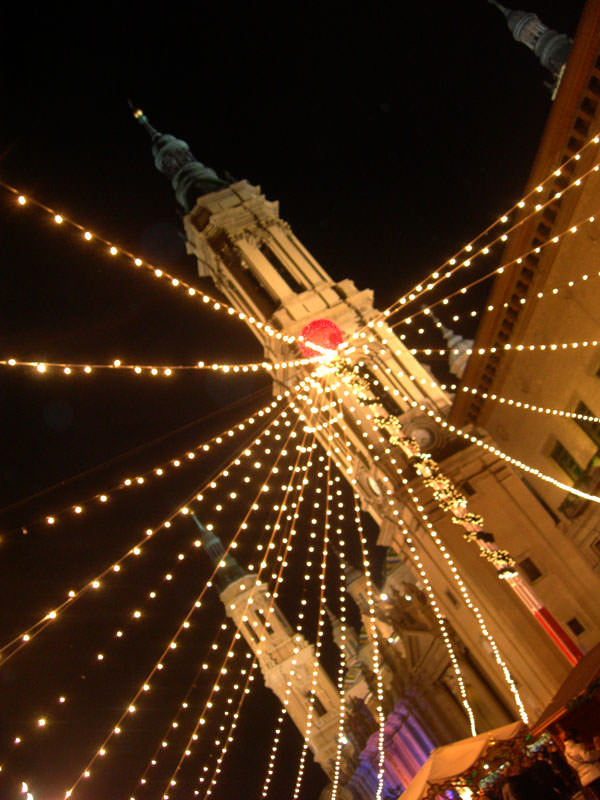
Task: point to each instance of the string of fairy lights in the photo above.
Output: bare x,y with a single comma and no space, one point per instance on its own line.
427,310
250,599
457,578
509,402
518,348
286,546
160,471
298,631
131,707
374,637
136,615
496,451
287,542
523,405
24,637
551,292
342,592
573,229
316,412
462,587
284,565
114,250
439,616
375,662
59,367
182,708
187,751
466,252
321,613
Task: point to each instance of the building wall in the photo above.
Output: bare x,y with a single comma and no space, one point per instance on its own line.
565,545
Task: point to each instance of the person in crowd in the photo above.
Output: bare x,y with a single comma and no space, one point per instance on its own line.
584,760
565,777
516,785
544,783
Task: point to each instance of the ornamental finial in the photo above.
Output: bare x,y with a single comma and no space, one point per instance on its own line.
139,115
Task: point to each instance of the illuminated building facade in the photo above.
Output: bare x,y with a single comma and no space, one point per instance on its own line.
254,258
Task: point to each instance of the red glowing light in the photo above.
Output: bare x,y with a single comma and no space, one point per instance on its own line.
323,332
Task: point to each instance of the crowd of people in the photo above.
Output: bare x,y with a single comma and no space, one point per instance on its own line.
558,771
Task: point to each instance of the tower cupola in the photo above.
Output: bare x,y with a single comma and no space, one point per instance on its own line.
190,179
550,47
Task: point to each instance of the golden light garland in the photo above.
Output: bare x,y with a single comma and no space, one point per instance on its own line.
229,737
514,461
182,707
415,557
15,644
54,516
548,293
113,250
100,656
432,600
374,638
343,635
496,451
318,645
237,634
86,772
278,578
43,367
333,449
445,493
457,578
537,249
297,633
208,705
518,348
510,402
293,663
466,252
138,613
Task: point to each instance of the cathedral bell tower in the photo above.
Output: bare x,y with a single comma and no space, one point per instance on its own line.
286,659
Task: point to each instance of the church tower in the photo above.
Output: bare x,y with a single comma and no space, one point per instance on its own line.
286,659
254,258
551,48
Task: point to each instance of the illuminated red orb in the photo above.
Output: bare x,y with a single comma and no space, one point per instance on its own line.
323,332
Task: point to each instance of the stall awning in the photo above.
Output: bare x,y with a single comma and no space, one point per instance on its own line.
577,681
453,760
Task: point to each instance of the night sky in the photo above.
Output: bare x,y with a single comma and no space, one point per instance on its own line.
390,135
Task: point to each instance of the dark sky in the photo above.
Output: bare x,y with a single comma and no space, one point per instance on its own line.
390,134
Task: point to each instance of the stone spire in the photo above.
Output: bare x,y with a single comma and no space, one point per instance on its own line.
213,546
190,179
550,47
458,346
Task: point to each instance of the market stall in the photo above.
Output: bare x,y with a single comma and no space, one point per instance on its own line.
462,765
